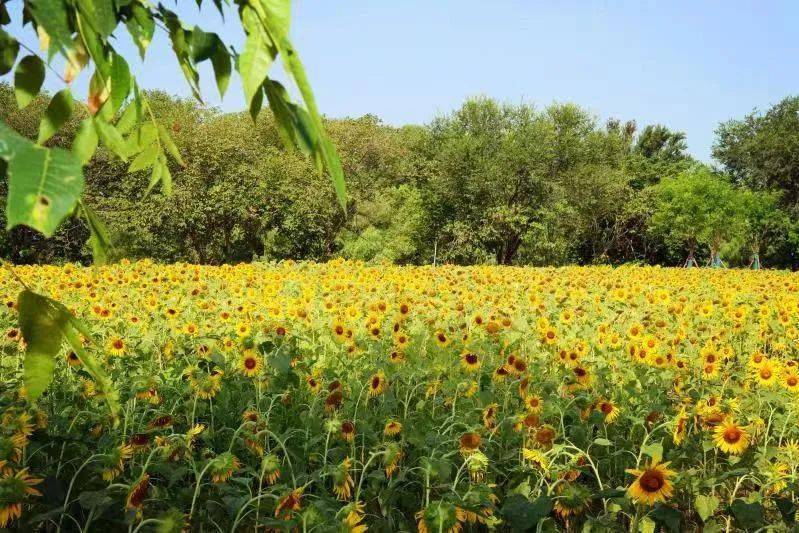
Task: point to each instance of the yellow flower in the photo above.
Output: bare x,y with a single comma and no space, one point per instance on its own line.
250,364
392,428
652,484
730,437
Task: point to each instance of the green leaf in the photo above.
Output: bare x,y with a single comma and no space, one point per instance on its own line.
278,13
9,48
155,177
128,119
706,506
57,113
602,442
256,104
44,185
748,515
256,57
41,322
28,79
141,27
11,142
220,60
787,509
327,151
100,14
654,450
120,82
53,18
169,144
111,138
99,240
181,46
667,517
202,44
522,514
145,159
86,140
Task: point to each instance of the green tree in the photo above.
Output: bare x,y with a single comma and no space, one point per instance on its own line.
697,208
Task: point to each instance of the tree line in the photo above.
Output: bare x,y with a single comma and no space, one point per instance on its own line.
487,183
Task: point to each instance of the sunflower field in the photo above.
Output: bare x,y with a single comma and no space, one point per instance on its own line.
347,397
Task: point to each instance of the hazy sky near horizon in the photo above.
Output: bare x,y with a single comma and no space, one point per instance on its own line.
687,64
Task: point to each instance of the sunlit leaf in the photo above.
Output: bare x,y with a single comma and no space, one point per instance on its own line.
57,113
44,184
86,140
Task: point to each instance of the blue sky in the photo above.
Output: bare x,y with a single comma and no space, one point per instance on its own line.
686,64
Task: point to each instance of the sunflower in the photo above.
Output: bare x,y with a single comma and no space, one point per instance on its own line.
116,346
679,427
535,458
790,380
441,339
534,404
342,480
470,361
377,384
250,364
731,438
73,359
15,489
652,484
392,428
609,410
767,373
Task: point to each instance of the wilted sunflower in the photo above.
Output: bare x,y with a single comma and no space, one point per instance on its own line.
652,484
138,493
392,428
348,431
289,504
440,517
490,415
15,490
270,468
391,458
223,466
353,516
469,443
342,480
731,438
114,461
572,499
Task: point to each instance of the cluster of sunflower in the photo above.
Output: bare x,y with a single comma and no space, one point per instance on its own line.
346,396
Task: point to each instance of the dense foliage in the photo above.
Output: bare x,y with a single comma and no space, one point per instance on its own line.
340,396
487,183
